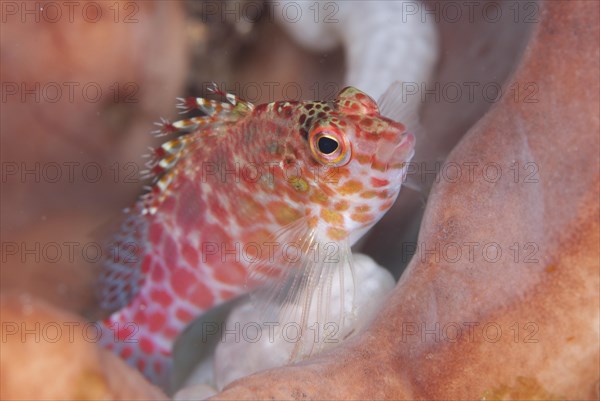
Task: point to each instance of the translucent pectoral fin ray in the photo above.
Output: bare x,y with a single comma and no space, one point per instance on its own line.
404,106
307,287
396,104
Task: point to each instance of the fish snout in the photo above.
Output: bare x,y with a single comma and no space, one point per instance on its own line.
403,151
395,153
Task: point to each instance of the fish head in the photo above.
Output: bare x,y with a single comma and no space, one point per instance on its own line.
362,158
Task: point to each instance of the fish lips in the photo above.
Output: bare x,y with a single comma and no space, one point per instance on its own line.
395,155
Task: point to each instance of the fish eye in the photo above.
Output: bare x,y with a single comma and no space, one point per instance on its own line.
329,146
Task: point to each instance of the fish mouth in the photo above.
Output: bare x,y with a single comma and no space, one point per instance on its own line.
396,155
403,151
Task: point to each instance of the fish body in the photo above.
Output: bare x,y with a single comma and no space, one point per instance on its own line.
240,185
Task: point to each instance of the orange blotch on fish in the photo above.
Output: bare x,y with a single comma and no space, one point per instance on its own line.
379,166
299,184
320,197
313,222
350,187
334,174
363,159
397,165
362,217
332,217
254,251
389,135
368,194
295,195
384,194
341,205
362,208
337,234
386,205
258,236
248,210
371,135
283,214
376,182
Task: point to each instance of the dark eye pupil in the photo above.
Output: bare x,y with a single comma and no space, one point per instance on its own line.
327,145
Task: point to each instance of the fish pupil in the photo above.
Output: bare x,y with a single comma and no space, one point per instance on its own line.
327,145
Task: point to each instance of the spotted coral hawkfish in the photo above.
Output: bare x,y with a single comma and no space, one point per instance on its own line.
231,191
